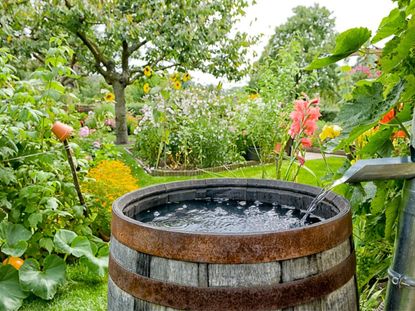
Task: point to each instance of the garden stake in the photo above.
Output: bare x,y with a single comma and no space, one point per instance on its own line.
62,132
74,176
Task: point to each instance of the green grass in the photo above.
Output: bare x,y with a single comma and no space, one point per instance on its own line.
83,292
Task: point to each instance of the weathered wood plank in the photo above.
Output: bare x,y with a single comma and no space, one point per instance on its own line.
117,298
124,255
180,272
343,299
244,274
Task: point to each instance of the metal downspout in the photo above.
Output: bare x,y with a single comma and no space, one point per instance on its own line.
401,286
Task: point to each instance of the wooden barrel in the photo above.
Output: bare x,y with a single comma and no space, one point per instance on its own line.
308,268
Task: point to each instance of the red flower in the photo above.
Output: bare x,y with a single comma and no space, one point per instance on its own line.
388,117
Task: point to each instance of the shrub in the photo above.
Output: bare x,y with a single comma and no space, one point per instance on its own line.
201,128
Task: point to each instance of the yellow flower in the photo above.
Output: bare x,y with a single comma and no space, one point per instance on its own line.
146,88
109,97
253,96
9,39
129,18
147,71
330,132
174,77
177,85
186,77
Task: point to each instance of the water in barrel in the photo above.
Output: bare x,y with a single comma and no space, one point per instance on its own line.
221,215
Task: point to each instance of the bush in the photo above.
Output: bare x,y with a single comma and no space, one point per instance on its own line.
198,127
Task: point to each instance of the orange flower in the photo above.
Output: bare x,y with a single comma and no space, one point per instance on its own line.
388,117
399,134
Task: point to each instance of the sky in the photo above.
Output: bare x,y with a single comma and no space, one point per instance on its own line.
265,15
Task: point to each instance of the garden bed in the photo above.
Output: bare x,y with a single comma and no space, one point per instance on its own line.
191,172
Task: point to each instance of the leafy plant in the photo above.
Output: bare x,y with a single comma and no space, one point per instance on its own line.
376,118
37,196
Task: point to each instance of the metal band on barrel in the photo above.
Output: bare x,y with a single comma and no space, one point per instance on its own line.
269,297
231,248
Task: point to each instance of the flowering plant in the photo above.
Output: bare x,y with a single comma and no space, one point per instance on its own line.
304,119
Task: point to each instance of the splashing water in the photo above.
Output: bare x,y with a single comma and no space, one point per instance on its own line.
321,196
225,216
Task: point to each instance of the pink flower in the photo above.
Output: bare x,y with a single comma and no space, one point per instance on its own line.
314,113
295,128
84,131
110,123
310,126
306,142
304,117
301,160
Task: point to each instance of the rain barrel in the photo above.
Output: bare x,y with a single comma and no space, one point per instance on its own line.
306,268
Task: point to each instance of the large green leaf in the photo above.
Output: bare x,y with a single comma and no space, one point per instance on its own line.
43,282
16,250
97,264
11,294
68,242
379,144
63,239
347,43
392,24
15,236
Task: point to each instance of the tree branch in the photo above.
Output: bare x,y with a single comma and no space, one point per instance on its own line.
98,55
136,46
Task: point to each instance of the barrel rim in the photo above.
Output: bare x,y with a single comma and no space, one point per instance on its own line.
245,247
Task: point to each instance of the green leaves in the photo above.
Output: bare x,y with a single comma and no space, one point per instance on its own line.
15,237
11,294
392,24
399,48
43,282
93,257
347,43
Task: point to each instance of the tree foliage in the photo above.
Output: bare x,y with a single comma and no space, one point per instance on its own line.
306,34
117,39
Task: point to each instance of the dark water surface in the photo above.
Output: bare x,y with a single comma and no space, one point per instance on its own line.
224,216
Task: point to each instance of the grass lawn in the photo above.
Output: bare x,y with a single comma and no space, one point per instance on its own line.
82,292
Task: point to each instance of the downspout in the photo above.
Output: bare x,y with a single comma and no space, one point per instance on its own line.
400,294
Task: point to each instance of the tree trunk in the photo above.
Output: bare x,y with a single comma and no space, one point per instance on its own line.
120,113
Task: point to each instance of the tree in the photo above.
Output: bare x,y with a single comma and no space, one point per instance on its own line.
305,35
119,38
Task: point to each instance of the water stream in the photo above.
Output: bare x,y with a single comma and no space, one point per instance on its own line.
321,196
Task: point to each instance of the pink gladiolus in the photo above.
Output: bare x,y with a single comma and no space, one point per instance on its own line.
315,101
84,131
304,117
306,142
310,127
301,160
